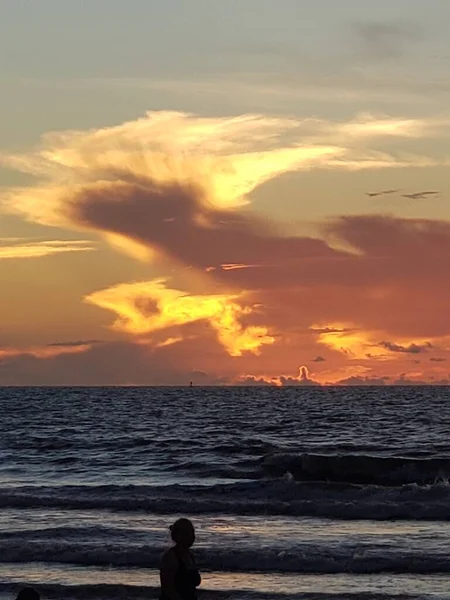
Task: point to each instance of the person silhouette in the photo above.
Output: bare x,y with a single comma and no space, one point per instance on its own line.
28,593
179,575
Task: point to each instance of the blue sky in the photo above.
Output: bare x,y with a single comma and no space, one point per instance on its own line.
67,64
78,65
61,49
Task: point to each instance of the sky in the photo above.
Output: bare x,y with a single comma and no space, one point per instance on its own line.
229,193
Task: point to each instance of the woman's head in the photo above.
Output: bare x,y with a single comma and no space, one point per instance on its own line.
28,593
183,533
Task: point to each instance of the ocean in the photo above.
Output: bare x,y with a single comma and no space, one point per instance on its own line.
311,493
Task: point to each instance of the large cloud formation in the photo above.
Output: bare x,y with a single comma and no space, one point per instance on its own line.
174,188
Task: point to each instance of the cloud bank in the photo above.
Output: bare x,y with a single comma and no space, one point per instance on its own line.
175,188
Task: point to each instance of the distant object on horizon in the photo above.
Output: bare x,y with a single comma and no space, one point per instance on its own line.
420,195
191,384
382,193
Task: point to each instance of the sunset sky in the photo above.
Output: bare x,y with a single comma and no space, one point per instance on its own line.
224,192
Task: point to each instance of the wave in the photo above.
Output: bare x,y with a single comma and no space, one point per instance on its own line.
276,497
308,558
362,469
72,440
134,592
358,468
246,469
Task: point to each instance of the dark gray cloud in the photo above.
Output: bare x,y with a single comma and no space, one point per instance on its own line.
382,193
389,253
385,40
405,380
321,330
411,349
251,381
363,381
420,195
75,344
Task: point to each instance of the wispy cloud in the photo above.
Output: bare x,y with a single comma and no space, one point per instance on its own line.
274,93
11,248
214,161
43,352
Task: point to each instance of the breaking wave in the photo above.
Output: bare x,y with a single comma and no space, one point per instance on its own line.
358,468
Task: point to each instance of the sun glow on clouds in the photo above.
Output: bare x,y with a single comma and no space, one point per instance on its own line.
150,306
368,126
163,185
224,159
347,339
23,248
359,344
44,352
130,247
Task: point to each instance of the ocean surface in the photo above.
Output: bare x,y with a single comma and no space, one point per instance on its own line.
305,493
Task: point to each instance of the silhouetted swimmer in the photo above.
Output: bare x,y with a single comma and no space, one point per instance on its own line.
28,593
178,572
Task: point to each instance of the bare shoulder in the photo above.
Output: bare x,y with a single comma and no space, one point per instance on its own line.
169,559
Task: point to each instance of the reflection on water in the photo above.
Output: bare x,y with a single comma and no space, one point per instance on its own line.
339,584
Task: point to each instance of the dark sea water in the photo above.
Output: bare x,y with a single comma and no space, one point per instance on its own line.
294,492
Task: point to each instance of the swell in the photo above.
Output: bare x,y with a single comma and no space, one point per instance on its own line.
232,461
303,559
276,497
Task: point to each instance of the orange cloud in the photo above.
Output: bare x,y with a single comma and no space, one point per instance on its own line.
45,352
150,306
21,248
171,187
357,344
178,362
